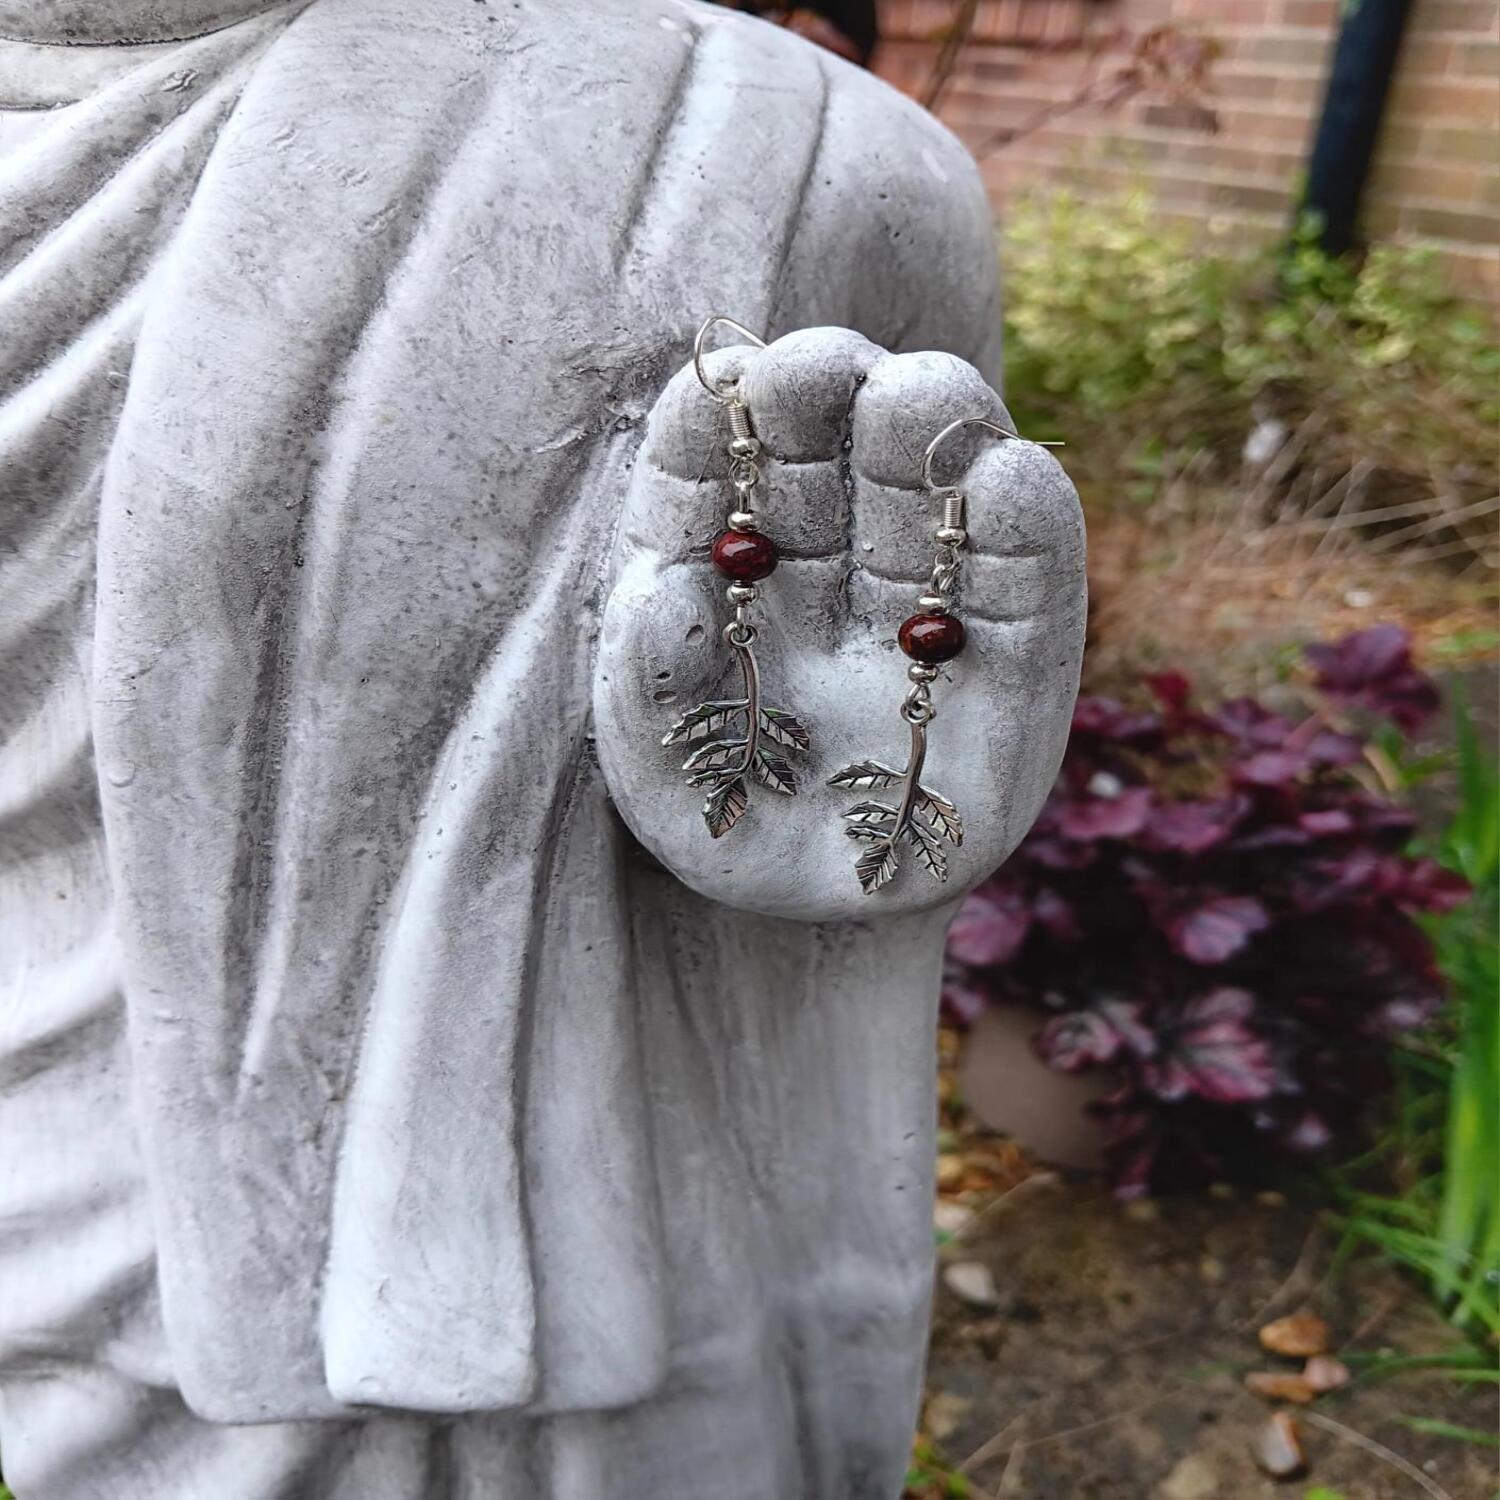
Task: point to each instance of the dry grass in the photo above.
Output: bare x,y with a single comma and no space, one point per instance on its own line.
1224,586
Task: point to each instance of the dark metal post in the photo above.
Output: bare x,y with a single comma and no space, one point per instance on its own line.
1359,80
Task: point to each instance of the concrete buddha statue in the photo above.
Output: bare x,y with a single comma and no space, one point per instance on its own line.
401,1095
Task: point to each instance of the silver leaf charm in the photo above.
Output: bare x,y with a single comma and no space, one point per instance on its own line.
922,821
725,806
723,762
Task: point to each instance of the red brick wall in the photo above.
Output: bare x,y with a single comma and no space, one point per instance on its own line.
1437,172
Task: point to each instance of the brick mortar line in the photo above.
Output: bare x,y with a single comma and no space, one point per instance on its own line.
1162,184
1168,135
1384,159
1414,239
1241,68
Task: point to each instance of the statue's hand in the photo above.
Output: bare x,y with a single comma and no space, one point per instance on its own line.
844,426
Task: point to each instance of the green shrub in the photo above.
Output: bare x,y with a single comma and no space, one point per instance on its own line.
1148,349
1109,312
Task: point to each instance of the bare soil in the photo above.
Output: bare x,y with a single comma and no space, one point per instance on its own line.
1231,603
1114,1364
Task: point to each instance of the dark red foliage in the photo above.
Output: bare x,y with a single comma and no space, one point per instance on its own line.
1216,910
1373,669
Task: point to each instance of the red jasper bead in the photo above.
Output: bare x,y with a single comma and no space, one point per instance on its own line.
745,556
932,638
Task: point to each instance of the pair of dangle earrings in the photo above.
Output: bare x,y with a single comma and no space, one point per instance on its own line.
917,818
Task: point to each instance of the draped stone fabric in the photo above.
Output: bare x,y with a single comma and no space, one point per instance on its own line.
351,1060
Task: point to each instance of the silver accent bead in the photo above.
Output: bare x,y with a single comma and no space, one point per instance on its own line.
934,604
743,520
742,593
952,536
744,447
919,671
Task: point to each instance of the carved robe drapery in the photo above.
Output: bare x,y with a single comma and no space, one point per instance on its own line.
369,1069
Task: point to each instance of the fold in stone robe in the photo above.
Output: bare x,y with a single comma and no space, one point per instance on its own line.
327,341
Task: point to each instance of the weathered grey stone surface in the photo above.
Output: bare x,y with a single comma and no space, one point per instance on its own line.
376,1119
848,424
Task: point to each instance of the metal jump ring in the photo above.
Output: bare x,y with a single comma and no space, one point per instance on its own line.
708,323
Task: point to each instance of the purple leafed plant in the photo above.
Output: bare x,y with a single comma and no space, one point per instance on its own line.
1215,908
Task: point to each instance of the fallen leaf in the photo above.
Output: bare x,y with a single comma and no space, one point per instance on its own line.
1324,1373
973,1282
1299,1335
949,1217
1280,1385
944,1414
950,1171
1193,1478
1277,1448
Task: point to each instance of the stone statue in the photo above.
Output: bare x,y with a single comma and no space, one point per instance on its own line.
401,1096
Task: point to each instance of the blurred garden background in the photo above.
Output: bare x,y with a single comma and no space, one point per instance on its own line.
1219,1172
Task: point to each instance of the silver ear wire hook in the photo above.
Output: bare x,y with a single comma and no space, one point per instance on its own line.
951,428
717,392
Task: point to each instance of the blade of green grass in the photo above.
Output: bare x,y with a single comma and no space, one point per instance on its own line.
1441,1149
1434,1428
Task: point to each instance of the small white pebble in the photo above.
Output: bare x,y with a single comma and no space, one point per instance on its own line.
973,1282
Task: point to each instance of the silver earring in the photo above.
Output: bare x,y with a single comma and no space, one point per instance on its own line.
922,819
746,556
